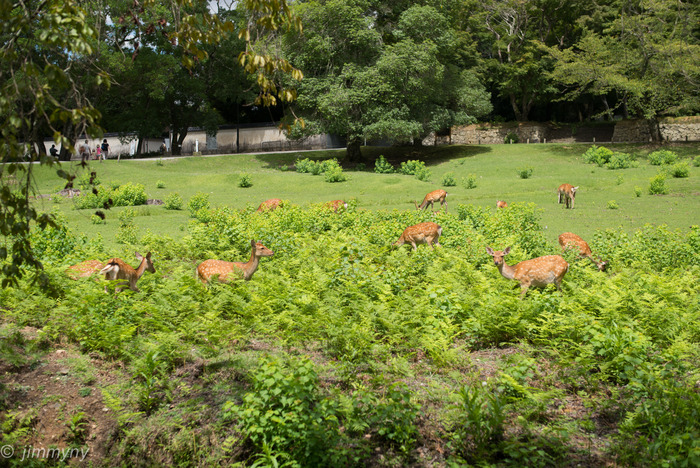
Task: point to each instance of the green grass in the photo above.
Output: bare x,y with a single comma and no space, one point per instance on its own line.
494,165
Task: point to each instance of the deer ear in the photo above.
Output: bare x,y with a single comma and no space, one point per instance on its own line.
252,243
507,251
138,255
489,250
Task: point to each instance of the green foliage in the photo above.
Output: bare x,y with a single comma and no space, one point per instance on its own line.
95,219
448,180
245,181
662,157
696,161
479,421
173,201
160,184
638,191
657,185
680,170
305,165
511,137
470,182
621,161
411,167
382,166
54,243
77,425
124,195
335,174
612,205
199,201
599,155
620,180
525,172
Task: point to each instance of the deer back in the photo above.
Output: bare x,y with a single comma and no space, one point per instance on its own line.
225,270
541,271
335,205
422,233
85,269
572,241
269,205
501,204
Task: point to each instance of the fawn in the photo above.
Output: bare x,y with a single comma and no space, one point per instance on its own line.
501,204
269,205
538,272
423,233
227,271
85,269
574,242
114,268
432,198
567,193
335,205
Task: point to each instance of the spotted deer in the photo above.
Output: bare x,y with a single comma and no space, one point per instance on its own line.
432,198
567,194
336,205
538,272
227,271
85,269
569,240
269,205
423,233
501,204
116,268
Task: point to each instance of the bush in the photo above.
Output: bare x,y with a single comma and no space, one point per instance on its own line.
160,184
197,202
382,166
662,157
696,161
620,161
612,205
470,181
620,180
95,219
657,185
638,191
130,195
423,174
305,165
680,170
245,181
335,174
173,201
126,217
412,167
599,155
448,180
525,172
512,137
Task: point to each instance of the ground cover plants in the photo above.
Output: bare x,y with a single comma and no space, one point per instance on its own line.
345,351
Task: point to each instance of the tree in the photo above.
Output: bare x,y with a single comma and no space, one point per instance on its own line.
372,73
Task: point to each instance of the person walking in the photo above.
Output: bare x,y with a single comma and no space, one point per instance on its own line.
53,151
105,149
98,153
84,151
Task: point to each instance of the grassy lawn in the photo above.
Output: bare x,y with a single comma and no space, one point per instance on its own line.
495,167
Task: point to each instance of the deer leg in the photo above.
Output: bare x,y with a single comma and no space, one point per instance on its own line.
414,245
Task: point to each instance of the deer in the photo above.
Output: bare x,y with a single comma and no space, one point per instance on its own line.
538,272
236,270
567,193
85,269
432,198
269,205
501,204
116,268
572,241
423,233
335,205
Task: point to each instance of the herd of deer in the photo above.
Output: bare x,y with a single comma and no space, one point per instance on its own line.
538,272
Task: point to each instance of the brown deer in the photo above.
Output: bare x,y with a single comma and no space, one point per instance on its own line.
336,205
501,204
269,205
432,198
228,271
572,241
116,268
567,193
85,269
538,272
423,233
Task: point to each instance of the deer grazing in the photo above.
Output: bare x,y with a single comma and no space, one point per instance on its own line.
336,205
501,204
228,271
269,205
423,233
432,198
538,272
567,193
572,241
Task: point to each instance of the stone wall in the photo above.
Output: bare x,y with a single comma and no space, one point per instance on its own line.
680,129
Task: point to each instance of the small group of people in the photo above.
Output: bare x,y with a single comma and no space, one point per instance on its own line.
101,151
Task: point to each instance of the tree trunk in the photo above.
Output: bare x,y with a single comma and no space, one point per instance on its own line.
354,151
178,140
654,130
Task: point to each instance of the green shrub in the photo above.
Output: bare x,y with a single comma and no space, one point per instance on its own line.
360,167
130,195
448,180
126,217
680,170
599,155
335,174
479,425
511,137
126,234
620,161
637,191
423,174
657,185
305,165
382,166
197,202
245,181
620,180
412,167
525,172
696,161
160,184
470,181
612,205
173,201
95,219
662,157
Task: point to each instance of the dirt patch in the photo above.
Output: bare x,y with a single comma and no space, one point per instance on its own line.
154,201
